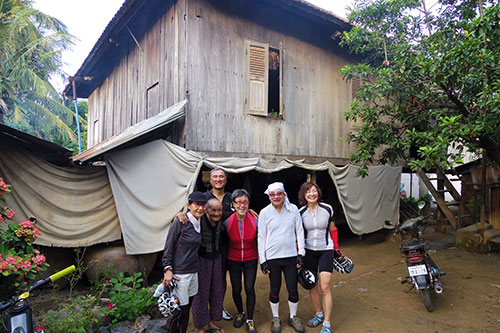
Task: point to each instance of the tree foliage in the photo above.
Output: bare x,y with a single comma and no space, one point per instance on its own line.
30,52
430,81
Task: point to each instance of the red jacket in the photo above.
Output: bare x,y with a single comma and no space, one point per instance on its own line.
242,249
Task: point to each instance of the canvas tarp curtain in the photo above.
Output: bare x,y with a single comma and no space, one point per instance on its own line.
73,206
151,184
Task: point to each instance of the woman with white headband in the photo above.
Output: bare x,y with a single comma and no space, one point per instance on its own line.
281,249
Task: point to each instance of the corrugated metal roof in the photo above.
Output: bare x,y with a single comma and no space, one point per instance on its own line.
163,118
47,150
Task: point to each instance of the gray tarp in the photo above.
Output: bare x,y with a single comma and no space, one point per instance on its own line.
73,206
151,183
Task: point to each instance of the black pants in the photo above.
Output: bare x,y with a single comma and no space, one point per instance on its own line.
249,270
289,268
180,323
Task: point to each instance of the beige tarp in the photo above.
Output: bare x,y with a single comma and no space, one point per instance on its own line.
151,183
73,206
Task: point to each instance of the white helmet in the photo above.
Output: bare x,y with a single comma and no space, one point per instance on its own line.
343,264
168,302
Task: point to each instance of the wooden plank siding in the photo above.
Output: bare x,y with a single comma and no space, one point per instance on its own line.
196,50
314,94
122,99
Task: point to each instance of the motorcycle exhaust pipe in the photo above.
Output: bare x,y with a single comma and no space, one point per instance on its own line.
438,288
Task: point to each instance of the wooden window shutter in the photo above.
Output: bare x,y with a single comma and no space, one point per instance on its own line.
257,74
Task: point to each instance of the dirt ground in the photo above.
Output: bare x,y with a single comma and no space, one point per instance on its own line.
371,298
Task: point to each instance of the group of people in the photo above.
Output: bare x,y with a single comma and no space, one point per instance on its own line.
219,233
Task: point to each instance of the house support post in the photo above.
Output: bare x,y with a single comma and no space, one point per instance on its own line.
482,242
77,117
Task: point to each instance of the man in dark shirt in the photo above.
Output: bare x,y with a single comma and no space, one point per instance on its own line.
218,180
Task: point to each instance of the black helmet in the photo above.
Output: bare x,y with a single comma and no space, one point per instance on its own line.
307,279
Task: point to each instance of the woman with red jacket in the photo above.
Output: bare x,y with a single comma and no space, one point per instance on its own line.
242,257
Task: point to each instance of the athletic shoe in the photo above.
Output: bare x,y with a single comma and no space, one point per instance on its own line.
276,325
296,324
325,329
251,327
239,320
315,321
226,315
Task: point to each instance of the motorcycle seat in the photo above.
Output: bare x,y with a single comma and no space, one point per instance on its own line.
414,246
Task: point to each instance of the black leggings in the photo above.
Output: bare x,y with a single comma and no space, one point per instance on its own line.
289,267
249,270
180,323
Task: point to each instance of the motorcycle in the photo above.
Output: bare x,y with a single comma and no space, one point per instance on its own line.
424,274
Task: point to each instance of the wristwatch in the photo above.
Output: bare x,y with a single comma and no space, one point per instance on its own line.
167,268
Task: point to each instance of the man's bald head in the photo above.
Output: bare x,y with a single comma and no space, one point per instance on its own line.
214,210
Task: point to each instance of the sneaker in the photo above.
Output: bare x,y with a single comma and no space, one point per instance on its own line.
296,324
251,327
315,321
325,329
276,325
226,315
239,320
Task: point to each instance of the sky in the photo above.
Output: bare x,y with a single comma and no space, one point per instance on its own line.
87,19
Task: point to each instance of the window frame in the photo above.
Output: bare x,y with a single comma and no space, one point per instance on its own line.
253,80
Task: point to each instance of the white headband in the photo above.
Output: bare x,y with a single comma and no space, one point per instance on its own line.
278,186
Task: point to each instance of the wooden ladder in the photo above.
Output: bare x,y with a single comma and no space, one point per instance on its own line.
439,196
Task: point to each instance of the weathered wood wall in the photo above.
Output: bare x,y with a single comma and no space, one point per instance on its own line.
146,81
314,93
202,58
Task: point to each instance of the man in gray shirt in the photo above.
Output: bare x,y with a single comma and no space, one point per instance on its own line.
281,249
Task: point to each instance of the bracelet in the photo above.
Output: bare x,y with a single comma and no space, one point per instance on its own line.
167,268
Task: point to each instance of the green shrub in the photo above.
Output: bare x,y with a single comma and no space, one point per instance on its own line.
77,315
128,300
20,262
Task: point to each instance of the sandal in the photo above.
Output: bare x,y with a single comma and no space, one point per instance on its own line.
214,330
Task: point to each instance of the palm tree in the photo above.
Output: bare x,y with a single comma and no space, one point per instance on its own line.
30,52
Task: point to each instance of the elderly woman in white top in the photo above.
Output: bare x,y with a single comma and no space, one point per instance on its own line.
281,248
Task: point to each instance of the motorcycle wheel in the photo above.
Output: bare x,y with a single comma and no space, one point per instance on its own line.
425,294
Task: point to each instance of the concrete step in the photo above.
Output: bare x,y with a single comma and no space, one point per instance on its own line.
468,238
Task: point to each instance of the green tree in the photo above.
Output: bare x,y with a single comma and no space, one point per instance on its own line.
430,81
30,52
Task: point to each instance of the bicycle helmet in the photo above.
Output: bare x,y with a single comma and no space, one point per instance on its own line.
307,279
168,304
343,264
